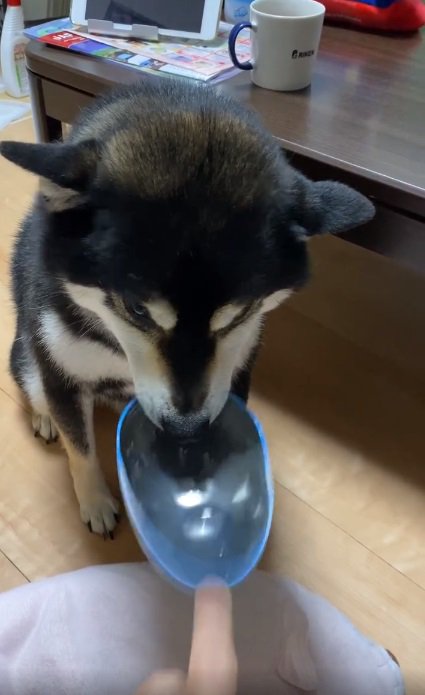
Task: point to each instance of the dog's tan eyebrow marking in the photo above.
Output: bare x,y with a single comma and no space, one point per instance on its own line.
224,316
162,313
273,300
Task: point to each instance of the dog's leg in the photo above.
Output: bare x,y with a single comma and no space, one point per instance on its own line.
44,426
26,373
115,404
72,409
98,508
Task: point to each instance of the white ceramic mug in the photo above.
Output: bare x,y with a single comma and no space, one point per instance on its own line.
285,40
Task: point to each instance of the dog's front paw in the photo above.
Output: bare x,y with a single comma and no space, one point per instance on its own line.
98,508
44,427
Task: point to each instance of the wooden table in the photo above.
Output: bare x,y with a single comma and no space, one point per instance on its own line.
362,121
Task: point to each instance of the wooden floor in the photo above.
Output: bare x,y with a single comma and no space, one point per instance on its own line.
340,389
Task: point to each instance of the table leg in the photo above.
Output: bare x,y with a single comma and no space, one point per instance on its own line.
47,129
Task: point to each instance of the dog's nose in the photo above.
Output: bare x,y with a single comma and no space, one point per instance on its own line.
186,430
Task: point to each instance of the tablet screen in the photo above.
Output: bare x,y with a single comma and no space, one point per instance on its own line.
182,15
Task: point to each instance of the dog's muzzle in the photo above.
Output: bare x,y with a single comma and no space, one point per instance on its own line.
186,430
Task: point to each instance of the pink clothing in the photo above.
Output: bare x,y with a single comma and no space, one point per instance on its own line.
103,630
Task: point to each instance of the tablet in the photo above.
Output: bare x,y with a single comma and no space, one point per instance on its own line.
197,19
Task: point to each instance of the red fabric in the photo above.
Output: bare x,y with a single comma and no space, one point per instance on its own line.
401,15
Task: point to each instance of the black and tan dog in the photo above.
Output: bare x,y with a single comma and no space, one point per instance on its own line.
166,226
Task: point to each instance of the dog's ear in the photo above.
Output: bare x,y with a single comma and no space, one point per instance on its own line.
328,207
65,169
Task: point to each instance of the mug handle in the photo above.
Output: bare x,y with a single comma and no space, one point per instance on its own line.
232,47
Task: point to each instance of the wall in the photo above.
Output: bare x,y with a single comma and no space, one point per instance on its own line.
41,9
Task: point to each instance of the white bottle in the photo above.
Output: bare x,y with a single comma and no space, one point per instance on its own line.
13,42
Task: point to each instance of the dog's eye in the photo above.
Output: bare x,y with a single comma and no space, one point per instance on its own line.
137,309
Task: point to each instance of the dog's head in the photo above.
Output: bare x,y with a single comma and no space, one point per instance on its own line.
173,216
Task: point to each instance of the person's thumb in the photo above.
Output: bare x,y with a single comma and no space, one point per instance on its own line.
170,682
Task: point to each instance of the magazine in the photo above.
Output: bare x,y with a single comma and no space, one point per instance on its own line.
206,62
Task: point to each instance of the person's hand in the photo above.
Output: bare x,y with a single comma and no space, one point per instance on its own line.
212,664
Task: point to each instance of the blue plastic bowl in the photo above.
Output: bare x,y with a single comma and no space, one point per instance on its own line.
202,511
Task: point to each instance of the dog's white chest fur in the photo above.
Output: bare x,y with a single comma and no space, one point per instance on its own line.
81,358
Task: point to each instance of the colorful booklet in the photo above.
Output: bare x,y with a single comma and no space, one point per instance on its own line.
206,62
